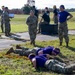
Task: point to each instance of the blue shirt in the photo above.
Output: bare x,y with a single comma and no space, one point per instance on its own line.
55,12
62,16
40,60
46,50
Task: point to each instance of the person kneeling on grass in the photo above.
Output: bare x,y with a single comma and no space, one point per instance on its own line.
38,51
43,61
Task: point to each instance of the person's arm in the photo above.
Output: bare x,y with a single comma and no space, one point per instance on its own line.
41,20
70,16
49,56
27,21
34,62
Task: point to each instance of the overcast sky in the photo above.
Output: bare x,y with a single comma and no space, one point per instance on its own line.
39,3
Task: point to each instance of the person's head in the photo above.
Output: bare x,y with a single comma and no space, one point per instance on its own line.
54,7
46,9
6,8
33,7
31,56
62,7
31,13
56,51
3,7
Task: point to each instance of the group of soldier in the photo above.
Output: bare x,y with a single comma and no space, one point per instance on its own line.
43,57
60,17
5,21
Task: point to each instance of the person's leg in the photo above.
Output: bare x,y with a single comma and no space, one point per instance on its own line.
70,68
56,66
6,28
11,50
2,27
9,28
55,19
66,34
60,33
32,33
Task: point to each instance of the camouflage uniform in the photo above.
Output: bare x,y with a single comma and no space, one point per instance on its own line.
7,23
59,67
25,51
63,32
2,21
55,19
32,27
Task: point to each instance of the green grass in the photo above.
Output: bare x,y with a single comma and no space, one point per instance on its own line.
16,65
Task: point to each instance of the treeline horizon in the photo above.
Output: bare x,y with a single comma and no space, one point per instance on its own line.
26,10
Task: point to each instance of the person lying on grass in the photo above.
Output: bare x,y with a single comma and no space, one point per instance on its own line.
43,61
26,51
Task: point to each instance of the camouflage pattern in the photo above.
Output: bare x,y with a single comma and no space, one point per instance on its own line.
63,32
32,27
7,22
58,67
2,21
25,51
55,19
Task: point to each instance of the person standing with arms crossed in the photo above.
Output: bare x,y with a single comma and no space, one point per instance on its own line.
63,17
32,26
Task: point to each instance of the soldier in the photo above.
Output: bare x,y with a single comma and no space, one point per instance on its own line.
2,19
32,26
44,61
38,51
63,16
55,12
7,22
36,12
44,20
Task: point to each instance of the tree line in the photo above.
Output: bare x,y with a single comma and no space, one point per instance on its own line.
26,10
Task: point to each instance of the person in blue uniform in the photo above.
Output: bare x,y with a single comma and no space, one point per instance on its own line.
38,51
43,61
63,17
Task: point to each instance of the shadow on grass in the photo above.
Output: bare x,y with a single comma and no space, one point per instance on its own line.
71,48
46,70
15,34
17,37
39,46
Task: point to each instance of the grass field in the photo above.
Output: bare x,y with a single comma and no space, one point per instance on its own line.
14,64
19,65
18,23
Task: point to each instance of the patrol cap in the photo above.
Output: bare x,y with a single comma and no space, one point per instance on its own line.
62,6
57,50
31,56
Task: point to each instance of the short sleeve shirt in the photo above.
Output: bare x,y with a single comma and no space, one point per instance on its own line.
62,16
46,17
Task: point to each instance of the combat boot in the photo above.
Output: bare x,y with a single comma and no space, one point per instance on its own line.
66,44
60,43
34,43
